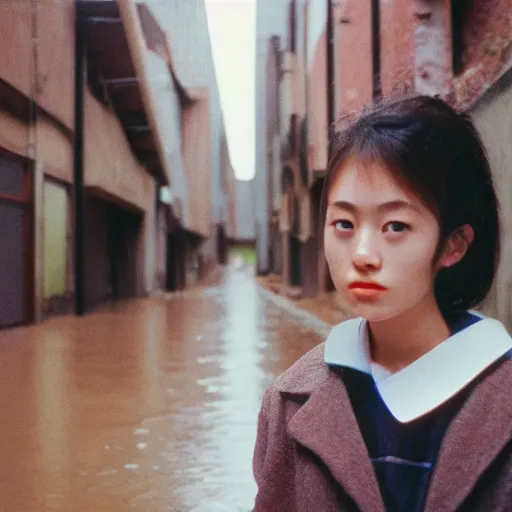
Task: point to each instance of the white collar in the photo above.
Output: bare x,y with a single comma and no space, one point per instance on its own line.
432,379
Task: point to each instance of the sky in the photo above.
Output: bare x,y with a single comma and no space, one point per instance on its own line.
232,26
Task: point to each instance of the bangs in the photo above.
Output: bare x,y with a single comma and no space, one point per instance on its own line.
408,151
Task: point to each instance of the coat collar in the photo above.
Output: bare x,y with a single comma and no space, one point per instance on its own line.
431,380
326,425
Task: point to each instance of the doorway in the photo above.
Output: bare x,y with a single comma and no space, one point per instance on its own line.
16,241
112,239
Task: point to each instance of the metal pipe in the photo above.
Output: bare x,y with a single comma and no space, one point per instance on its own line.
331,85
78,161
99,19
120,82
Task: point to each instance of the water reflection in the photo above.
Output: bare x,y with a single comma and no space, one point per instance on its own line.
146,405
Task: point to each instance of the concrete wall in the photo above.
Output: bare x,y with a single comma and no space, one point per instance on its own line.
197,155
352,55
397,46
14,134
43,40
54,149
486,39
37,59
186,25
111,167
109,163
229,185
273,112
492,117
317,100
271,19
244,227
170,113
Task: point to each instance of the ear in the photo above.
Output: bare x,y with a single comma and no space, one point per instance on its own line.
456,246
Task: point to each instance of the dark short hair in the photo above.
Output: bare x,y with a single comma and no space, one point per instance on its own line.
437,153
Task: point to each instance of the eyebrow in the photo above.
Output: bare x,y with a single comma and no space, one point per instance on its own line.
383,207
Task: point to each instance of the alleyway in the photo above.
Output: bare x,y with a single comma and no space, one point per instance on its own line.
147,406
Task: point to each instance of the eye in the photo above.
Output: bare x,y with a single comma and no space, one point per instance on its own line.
396,227
343,225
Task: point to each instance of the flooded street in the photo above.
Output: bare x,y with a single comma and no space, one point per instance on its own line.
150,405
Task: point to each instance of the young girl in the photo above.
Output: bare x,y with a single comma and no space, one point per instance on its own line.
406,407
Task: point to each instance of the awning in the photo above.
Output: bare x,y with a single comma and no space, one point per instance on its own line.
112,75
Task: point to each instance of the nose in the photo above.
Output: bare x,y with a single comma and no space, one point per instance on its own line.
366,256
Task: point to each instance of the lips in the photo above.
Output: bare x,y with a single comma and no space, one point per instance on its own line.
361,285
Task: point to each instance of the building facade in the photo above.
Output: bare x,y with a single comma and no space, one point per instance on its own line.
95,126
319,60
203,197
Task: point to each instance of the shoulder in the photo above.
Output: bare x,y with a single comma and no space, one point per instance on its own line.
306,374
313,369
297,383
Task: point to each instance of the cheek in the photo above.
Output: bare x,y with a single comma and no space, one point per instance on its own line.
334,251
416,258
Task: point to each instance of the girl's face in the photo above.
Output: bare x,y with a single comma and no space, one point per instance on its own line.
380,243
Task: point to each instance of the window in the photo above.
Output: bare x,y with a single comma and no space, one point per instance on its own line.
460,12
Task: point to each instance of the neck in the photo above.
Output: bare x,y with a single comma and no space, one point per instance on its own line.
399,341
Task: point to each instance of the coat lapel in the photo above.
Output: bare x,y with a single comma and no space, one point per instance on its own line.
475,438
326,425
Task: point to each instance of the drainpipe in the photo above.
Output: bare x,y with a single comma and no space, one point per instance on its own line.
78,161
137,45
331,86
377,87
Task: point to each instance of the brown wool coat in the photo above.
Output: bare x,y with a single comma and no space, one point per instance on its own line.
310,456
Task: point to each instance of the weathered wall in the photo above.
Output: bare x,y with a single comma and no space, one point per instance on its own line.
353,55
397,46
432,47
273,125
37,54
109,162
197,155
111,166
244,226
271,19
228,184
170,125
54,149
186,24
492,117
318,119
299,74
487,42
14,134
56,42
